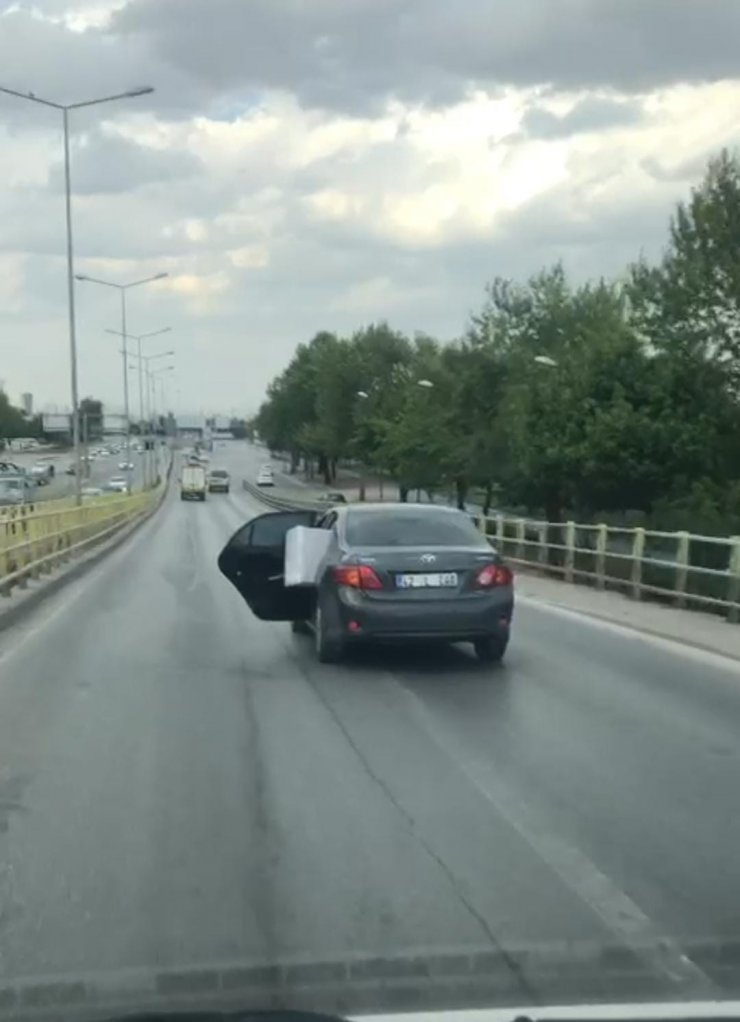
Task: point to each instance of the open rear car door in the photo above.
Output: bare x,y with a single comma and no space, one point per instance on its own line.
253,561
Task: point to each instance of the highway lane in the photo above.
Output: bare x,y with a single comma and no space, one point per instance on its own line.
182,785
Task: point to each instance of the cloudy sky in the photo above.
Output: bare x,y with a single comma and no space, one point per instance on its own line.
320,164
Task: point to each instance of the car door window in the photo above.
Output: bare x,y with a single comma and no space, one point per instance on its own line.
252,561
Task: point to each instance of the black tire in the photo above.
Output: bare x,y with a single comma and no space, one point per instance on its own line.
329,648
490,650
299,628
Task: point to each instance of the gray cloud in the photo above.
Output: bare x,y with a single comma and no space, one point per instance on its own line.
350,54
594,113
105,164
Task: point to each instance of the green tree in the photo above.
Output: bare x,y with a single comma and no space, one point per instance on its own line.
689,304
12,421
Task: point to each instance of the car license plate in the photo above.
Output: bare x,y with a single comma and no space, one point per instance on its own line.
427,580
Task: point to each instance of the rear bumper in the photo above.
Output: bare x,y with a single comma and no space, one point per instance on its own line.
192,494
448,621
218,488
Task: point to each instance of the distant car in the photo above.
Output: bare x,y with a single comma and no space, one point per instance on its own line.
332,498
117,484
42,472
265,476
219,481
193,483
391,572
125,465
16,490
92,491
10,468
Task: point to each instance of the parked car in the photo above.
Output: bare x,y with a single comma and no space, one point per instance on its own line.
16,490
219,481
125,466
265,476
116,484
10,468
391,572
332,498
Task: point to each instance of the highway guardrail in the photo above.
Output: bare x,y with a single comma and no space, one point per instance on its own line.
681,569
33,541
282,503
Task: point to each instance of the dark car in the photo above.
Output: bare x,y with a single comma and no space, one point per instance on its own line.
392,572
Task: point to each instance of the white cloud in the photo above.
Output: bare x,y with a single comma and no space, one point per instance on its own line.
276,218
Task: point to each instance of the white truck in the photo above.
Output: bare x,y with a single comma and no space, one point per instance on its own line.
193,485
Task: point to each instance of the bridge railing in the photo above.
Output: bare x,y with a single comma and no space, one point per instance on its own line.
36,539
681,569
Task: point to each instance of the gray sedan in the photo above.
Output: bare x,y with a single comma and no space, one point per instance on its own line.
392,572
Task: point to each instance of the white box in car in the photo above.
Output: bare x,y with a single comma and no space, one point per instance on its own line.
304,551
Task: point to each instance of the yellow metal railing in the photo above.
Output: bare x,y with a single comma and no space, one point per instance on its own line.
36,538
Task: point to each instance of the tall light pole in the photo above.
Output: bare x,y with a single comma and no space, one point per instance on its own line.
124,352
152,377
123,288
65,108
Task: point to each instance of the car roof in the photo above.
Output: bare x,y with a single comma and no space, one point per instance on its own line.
396,505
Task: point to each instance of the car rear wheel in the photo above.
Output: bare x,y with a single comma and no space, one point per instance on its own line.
329,648
489,650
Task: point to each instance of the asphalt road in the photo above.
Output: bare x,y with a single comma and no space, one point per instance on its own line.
184,786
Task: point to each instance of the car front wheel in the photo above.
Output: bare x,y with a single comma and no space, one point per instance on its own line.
490,650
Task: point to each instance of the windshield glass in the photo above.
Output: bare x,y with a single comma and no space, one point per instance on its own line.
412,527
439,708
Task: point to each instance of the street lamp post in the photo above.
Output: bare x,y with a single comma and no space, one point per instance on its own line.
65,108
152,374
123,288
149,375
141,358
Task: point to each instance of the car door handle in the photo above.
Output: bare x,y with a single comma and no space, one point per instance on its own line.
274,578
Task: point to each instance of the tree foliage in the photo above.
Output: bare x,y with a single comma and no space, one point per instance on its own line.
564,398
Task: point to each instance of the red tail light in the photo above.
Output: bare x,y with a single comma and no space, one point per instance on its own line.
358,576
491,575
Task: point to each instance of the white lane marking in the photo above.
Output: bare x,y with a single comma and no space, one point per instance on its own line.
586,1012
613,906
633,633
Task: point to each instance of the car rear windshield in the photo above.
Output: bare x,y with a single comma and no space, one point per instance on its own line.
412,527
219,473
